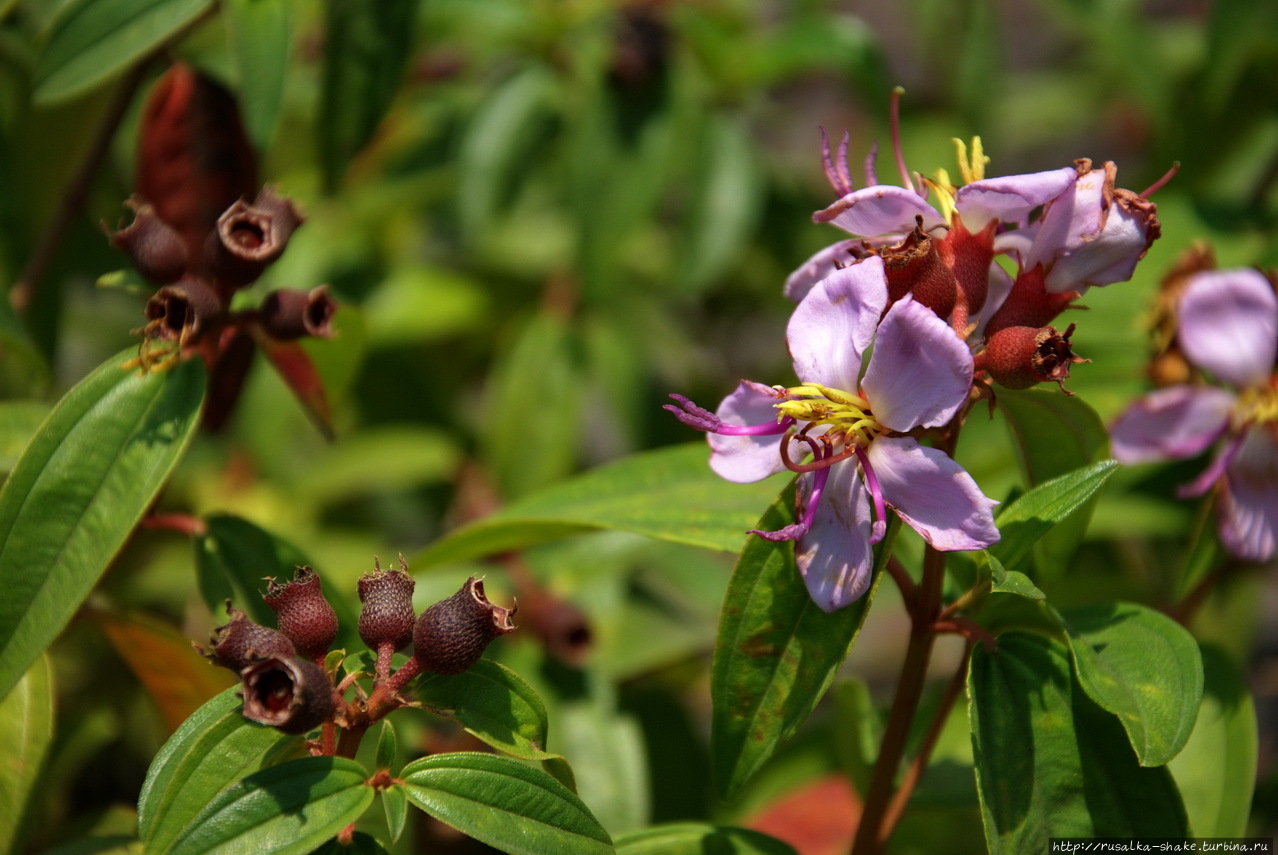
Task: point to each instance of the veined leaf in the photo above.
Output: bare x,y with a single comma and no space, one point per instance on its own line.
697,838
493,703
1033,514
26,717
79,489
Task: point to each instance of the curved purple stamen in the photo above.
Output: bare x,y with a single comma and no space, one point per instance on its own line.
871,160
836,170
704,420
796,530
1214,471
879,529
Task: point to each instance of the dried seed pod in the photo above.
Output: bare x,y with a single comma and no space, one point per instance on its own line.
249,237
183,310
288,314
451,635
241,642
303,613
1020,357
387,616
288,693
156,250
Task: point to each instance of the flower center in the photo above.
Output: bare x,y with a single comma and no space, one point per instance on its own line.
848,416
1257,405
971,168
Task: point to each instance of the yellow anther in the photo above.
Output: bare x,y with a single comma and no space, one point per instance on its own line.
1256,406
846,414
972,169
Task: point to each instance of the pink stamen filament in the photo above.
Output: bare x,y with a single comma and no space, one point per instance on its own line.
879,528
906,180
768,429
871,174
836,170
1162,182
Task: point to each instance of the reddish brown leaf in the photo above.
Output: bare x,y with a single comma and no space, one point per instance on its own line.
298,372
819,818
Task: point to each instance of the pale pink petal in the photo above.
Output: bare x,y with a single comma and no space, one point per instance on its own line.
883,209
835,556
835,323
1105,257
1069,220
1249,502
933,494
816,268
920,372
1000,286
1229,325
744,459
1171,423
1010,198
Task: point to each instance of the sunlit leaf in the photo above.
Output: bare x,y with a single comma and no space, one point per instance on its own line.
1049,762
669,494
493,703
79,489
1143,667
26,717
93,40
697,838
289,808
776,654
177,678
504,803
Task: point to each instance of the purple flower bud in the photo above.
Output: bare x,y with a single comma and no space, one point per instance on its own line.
451,635
387,616
303,613
287,693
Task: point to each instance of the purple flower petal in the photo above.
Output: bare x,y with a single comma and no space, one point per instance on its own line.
881,210
835,323
1249,502
933,494
744,459
1171,423
920,372
816,268
835,556
1010,198
1229,325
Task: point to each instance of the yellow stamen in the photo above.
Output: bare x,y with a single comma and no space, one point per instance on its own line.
972,169
1256,406
847,415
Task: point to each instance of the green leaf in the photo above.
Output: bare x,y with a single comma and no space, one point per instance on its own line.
366,47
610,766
93,40
26,719
1003,581
699,838
212,750
669,494
859,730
361,843
258,32
395,803
19,421
292,807
1049,762
494,704
79,489
237,553
1033,514
776,653
387,745
1216,770
1144,668
505,804
1054,434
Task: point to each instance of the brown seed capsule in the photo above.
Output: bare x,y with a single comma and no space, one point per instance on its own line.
915,267
242,642
451,635
249,237
303,613
288,693
387,615
288,314
156,249
183,310
1020,357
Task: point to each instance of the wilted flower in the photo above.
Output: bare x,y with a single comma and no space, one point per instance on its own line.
1229,328
919,376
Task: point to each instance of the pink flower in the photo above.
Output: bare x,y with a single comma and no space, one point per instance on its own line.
1229,328
919,376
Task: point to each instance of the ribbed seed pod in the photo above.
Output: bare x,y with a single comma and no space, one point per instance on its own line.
451,635
303,613
291,694
241,642
387,615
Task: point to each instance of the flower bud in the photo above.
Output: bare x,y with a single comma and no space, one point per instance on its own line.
288,314
1019,357
451,635
249,237
387,616
303,613
288,693
241,642
180,311
156,249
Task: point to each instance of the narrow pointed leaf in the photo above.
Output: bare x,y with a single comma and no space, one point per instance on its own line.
494,704
290,808
1003,581
212,750
1216,770
1144,668
78,491
395,803
26,719
669,494
698,838
387,745
776,654
1049,762
93,40
504,803
259,39
1036,512
298,372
